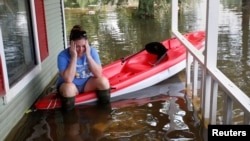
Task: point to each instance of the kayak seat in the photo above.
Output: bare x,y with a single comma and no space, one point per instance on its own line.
138,64
158,49
136,68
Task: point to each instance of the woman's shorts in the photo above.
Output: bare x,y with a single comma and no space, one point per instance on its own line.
80,88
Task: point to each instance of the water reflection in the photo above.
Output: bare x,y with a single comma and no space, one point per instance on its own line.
233,52
72,128
156,113
42,129
81,126
159,118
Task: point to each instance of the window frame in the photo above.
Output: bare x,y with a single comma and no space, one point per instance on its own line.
11,93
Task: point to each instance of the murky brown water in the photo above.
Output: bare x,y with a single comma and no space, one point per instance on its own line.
143,115
159,113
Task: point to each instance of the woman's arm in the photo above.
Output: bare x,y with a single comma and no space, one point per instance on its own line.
94,67
69,73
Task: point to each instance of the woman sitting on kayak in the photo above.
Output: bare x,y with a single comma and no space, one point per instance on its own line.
80,71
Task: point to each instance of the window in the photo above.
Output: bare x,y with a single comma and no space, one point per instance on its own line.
19,51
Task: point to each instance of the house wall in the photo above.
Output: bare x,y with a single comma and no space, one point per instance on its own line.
12,112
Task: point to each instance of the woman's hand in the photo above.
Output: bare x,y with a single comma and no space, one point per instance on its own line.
72,49
87,48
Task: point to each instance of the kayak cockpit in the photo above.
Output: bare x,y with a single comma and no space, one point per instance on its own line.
153,54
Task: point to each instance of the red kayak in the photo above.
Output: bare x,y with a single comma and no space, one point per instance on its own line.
156,62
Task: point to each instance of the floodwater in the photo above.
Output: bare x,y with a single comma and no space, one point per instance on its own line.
144,115
161,112
116,34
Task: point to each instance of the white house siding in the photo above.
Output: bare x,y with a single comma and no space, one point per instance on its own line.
11,113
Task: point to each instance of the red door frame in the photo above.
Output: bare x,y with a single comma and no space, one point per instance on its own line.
41,29
2,87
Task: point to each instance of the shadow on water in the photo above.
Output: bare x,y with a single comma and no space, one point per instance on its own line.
156,113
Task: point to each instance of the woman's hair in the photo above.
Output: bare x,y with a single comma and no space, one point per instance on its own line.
76,27
77,33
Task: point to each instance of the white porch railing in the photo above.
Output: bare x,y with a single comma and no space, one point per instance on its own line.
212,77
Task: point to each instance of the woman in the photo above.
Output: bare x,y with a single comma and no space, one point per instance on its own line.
80,71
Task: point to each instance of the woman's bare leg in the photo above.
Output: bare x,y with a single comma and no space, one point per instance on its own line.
68,91
101,86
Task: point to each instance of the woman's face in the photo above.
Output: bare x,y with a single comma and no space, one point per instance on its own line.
80,47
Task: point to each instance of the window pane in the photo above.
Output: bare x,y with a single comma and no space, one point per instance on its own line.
17,38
